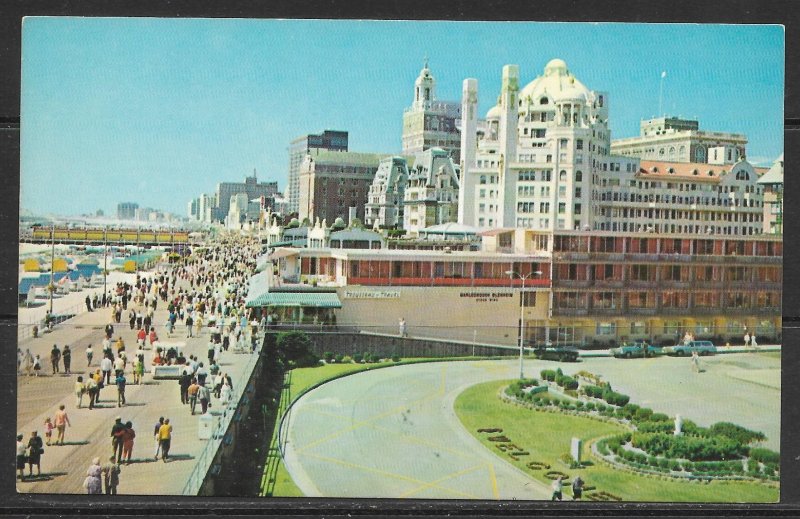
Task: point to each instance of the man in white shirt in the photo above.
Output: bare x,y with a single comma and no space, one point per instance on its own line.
105,367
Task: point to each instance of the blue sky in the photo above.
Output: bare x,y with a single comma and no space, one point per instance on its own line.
157,111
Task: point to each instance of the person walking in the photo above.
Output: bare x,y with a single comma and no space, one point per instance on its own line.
35,451
111,472
120,382
557,487
402,325
106,365
22,457
37,365
183,383
156,429
55,357
116,438
27,362
89,355
753,342
189,323
80,389
91,390
66,355
695,362
577,488
192,391
165,439
138,371
204,395
48,431
88,303
225,392
127,442
93,482
61,421
746,339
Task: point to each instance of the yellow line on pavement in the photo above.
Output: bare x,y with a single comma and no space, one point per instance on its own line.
420,441
434,484
493,478
390,475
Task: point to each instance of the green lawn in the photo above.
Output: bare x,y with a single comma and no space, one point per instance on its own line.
547,436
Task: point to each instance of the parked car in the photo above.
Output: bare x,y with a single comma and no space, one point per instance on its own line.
683,350
559,352
636,349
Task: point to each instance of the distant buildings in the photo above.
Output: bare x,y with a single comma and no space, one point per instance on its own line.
127,210
332,182
331,140
217,207
772,182
673,139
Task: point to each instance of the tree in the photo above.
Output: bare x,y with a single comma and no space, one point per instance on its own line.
296,349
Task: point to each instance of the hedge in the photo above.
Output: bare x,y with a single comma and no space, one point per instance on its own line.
693,448
736,432
764,455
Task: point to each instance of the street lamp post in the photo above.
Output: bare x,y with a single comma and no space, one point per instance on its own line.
105,259
511,273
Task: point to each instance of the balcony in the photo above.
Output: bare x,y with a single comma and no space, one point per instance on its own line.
570,312
571,256
609,283
642,311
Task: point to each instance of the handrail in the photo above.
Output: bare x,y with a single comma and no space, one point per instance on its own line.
204,460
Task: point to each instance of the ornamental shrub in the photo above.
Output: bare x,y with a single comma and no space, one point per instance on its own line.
764,455
549,375
659,417
593,391
339,358
695,448
642,414
328,356
736,432
357,358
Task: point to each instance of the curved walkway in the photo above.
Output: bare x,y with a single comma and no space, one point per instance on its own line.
393,433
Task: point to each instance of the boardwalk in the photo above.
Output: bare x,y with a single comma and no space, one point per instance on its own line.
64,467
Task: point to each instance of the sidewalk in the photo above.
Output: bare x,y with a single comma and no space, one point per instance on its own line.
64,467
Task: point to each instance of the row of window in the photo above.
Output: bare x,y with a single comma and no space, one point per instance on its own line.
668,299
729,230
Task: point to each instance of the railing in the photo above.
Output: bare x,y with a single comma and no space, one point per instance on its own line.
25,330
206,457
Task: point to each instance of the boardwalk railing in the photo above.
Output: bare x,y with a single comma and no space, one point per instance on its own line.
206,458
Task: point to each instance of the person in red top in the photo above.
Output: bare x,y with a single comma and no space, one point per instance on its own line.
140,337
153,336
127,442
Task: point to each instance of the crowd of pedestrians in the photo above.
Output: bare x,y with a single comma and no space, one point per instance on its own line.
203,295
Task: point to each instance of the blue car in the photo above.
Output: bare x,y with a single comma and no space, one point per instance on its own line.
634,350
684,350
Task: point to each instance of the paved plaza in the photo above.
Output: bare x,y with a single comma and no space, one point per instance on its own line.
64,467
393,433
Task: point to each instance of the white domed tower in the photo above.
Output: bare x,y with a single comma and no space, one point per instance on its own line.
428,122
424,88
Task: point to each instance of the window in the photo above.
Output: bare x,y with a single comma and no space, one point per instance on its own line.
606,329
579,144
577,209
562,176
578,176
562,208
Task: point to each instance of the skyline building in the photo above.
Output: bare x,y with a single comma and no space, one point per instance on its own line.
127,210
333,140
430,123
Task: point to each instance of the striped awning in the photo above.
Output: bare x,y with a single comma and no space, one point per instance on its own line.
299,299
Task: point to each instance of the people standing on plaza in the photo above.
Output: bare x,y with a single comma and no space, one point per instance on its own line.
140,337
61,421
88,303
753,342
557,486
189,323
35,451
109,329
225,392
93,482
89,355
746,339
66,355
22,456
128,435
48,430
111,472
402,323
695,362
165,438
55,358
27,362
152,337
138,370
99,380
37,365
577,488
201,374
204,395
116,438
156,429
106,365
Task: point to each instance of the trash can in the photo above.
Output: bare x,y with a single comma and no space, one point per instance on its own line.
205,426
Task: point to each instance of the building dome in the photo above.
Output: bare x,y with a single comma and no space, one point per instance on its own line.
556,81
494,112
570,94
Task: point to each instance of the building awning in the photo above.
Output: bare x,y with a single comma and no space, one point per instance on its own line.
283,252
299,299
